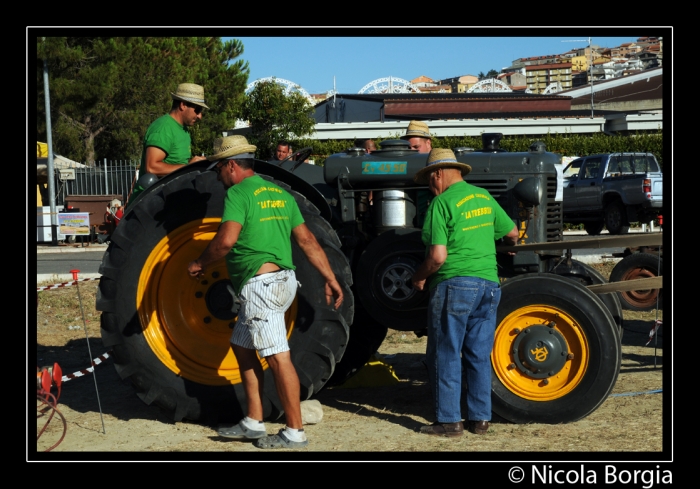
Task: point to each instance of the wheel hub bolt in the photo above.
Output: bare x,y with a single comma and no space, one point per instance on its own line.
545,382
198,294
215,274
207,320
231,325
551,324
516,330
511,366
570,356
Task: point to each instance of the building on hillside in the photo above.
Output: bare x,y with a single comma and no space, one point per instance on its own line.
424,81
460,84
516,80
541,76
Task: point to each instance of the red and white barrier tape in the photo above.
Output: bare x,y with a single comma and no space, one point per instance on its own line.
88,370
65,284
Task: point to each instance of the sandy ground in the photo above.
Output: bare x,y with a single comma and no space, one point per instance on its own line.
381,419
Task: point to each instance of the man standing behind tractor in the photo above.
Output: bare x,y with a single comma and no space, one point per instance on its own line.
461,227
167,142
418,136
258,220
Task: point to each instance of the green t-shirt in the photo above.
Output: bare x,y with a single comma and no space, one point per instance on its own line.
468,221
267,215
170,136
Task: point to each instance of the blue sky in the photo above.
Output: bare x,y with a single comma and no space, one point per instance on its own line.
312,62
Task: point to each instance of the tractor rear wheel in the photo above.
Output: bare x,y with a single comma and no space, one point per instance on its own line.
587,275
170,334
636,266
556,353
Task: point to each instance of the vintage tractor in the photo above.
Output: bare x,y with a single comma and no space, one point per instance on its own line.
557,345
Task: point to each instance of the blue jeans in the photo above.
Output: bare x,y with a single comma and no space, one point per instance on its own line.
461,326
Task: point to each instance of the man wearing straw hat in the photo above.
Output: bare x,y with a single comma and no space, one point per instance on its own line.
167,142
418,136
460,229
258,220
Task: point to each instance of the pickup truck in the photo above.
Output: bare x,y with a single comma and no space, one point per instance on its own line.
611,190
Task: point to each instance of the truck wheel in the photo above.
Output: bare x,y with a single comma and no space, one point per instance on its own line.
636,266
383,280
170,333
615,216
593,228
556,353
587,275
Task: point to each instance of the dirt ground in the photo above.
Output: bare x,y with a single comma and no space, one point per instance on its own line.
361,419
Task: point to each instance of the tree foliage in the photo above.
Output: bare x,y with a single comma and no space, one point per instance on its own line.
105,91
274,115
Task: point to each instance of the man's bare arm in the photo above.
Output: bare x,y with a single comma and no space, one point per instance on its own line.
225,238
317,257
437,254
156,165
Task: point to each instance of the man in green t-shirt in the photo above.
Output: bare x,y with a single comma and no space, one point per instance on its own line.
460,229
258,222
167,142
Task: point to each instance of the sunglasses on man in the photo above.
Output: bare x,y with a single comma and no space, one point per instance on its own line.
197,108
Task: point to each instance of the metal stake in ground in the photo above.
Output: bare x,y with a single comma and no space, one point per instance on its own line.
87,338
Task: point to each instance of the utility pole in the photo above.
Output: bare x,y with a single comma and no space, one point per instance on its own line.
49,163
590,66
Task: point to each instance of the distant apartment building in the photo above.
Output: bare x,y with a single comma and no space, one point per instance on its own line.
516,80
540,76
428,85
460,84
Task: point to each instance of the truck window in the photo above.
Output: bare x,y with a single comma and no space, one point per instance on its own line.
573,169
590,168
644,164
625,164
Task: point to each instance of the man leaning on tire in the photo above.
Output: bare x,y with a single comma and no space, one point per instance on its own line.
167,142
258,220
460,229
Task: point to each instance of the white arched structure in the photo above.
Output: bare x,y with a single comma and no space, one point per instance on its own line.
490,85
390,85
289,87
552,88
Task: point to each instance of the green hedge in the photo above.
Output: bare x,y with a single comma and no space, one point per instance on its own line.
564,144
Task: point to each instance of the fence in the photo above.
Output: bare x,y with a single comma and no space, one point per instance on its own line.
107,177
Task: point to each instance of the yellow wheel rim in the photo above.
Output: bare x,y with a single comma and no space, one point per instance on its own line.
178,322
508,352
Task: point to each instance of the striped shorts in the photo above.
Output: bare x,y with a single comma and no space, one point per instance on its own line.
264,300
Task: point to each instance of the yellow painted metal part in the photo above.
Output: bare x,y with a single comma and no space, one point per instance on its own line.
176,321
520,383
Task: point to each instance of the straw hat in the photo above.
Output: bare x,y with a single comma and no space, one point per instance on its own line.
440,158
189,92
229,146
417,129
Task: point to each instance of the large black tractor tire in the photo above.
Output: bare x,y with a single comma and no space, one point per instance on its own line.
615,217
383,280
366,336
633,267
587,275
170,333
556,353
